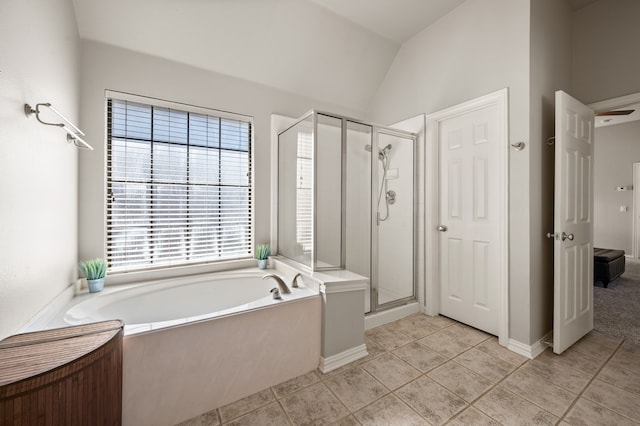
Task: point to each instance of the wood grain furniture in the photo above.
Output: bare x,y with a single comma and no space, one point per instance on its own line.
607,265
65,376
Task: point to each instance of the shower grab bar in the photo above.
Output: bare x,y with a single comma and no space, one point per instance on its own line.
73,134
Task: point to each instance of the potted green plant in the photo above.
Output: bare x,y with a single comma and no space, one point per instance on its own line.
262,254
94,270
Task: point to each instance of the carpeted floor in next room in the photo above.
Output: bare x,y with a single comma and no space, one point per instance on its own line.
617,307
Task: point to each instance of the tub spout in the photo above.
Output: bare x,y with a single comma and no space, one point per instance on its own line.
283,287
294,281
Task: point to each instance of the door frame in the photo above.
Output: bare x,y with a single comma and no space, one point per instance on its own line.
635,244
608,105
432,203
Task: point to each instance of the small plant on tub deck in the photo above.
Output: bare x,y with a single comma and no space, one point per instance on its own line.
94,270
262,254
263,251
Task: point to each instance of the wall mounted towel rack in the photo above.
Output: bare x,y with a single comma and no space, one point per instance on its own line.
73,133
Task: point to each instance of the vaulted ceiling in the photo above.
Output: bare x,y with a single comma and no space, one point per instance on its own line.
337,51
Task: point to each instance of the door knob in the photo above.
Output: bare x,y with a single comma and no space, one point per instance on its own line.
442,228
551,235
567,237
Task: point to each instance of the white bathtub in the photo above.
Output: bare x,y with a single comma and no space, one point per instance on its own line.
197,343
168,303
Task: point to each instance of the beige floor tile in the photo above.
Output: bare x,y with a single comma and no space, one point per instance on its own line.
391,371
270,415
295,384
420,357
540,391
471,416
356,388
389,411
623,378
510,409
490,367
460,380
467,335
373,349
444,343
559,374
597,344
573,359
314,405
416,326
207,419
614,398
431,400
243,406
628,356
439,321
347,421
588,413
493,348
388,338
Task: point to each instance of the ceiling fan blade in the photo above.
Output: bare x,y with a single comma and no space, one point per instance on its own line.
621,112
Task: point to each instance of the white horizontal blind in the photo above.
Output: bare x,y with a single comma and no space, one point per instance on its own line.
304,192
178,186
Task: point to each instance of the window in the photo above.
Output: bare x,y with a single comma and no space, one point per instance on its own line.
178,184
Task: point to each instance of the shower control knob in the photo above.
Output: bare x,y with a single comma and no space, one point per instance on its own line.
442,228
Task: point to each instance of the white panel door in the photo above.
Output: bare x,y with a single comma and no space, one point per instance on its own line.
469,220
573,222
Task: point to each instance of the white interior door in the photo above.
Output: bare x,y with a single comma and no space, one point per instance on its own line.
469,243
573,222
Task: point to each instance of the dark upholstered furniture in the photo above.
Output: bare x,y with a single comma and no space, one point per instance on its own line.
607,265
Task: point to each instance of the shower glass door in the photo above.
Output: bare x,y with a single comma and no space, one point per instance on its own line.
394,219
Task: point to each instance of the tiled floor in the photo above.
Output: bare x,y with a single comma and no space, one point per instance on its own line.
431,370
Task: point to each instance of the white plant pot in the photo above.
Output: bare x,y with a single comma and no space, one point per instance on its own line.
95,285
262,263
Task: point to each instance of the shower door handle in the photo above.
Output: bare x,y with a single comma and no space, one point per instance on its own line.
442,228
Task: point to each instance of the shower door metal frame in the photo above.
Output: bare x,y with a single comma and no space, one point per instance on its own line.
374,284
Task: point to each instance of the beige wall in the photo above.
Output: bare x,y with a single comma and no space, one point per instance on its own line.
106,67
478,48
38,169
616,149
607,63
551,70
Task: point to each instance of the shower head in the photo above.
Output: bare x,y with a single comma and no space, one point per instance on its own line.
382,152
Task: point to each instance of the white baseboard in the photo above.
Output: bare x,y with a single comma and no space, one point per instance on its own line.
529,351
343,358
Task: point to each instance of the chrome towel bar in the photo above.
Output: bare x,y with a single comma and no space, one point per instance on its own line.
73,132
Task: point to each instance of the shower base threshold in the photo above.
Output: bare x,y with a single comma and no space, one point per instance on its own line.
384,317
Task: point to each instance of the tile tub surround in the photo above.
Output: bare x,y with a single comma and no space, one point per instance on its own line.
408,378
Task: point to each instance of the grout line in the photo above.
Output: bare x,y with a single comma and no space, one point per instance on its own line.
595,375
489,389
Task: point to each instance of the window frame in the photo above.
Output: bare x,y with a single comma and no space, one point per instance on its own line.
184,268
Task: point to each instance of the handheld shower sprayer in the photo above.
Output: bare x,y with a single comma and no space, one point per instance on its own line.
389,198
381,153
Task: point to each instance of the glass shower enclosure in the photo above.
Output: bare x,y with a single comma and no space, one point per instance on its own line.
347,200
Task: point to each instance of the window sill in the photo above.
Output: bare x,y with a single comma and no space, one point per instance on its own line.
120,278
